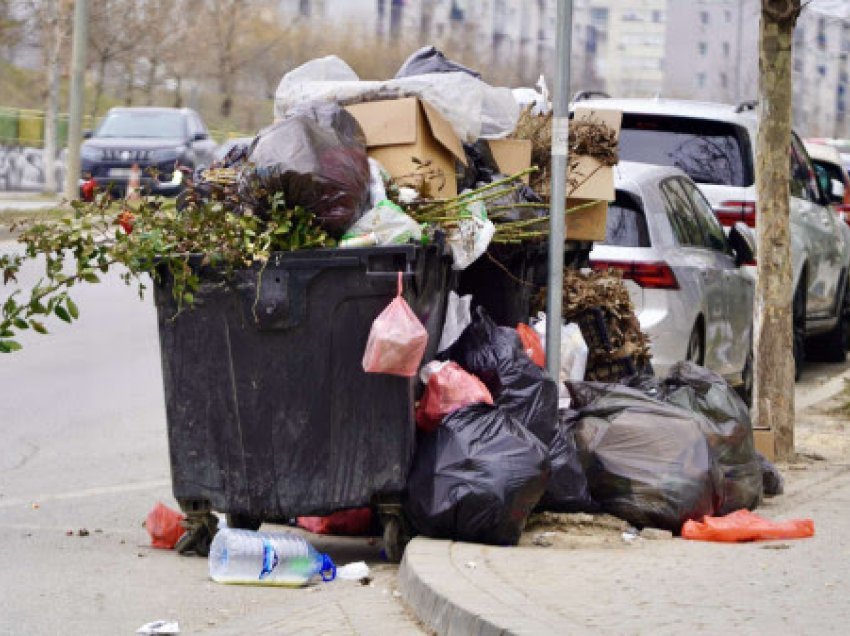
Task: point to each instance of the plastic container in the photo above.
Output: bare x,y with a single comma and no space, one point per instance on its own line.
503,282
243,557
270,414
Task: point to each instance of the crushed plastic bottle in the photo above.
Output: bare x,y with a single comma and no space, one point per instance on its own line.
266,558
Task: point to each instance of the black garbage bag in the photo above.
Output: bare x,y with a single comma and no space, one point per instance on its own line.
567,490
518,386
429,59
316,157
726,425
480,166
476,478
774,483
646,462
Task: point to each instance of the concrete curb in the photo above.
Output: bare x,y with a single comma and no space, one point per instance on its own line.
450,588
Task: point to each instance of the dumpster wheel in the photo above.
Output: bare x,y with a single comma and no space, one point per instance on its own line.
395,536
200,530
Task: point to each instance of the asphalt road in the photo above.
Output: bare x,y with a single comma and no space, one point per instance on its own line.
84,446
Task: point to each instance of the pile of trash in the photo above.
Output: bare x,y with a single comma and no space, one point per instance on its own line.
436,155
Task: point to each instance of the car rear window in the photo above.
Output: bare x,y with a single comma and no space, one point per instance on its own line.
708,151
626,225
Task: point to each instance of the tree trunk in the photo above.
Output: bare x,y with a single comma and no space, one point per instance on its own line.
178,92
54,43
151,81
773,400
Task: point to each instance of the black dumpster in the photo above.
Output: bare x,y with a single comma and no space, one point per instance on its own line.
504,281
270,414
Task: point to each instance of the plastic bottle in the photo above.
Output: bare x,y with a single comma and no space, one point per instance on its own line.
266,558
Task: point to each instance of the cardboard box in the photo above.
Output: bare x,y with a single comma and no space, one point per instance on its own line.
401,131
595,180
588,223
511,155
764,441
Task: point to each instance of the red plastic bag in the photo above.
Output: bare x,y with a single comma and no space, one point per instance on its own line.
532,344
352,522
448,389
397,340
743,525
163,524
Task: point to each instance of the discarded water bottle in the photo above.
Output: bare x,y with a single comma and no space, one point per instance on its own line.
266,558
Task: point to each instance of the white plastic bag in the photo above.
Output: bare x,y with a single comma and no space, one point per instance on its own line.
574,350
458,317
471,237
377,189
472,107
385,224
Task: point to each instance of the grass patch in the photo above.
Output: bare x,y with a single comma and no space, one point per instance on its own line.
842,409
10,220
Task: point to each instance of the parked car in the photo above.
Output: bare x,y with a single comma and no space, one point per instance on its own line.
157,140
715,145
685,276
834,179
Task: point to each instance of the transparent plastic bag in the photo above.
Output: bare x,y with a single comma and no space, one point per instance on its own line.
397,340
448,389
387,223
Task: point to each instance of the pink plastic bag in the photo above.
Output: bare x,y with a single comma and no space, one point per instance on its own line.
163,525
397,340
449,389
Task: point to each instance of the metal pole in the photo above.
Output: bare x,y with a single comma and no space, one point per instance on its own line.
75,123
557,229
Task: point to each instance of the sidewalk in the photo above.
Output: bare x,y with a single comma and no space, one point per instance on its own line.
608,585
651,587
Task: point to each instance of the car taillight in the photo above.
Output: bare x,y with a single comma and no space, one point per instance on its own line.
654,275
730,212
843,210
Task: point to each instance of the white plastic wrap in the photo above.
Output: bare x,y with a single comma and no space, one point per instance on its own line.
458,317
574,350
472,107
389,224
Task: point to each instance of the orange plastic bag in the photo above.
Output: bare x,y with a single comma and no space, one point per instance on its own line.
532,344
163,524
743,525
448,389
397,340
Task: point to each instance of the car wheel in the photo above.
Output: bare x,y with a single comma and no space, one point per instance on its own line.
799,330
696,346
834,344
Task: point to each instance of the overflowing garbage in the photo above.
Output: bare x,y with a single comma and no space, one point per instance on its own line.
407,191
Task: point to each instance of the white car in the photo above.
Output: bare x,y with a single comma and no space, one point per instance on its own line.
715,145
684,275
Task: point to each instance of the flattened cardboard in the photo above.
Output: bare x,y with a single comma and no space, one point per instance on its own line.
400,130
596,181
589,223
511,155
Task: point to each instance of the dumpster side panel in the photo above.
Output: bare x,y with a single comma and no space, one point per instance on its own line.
270,413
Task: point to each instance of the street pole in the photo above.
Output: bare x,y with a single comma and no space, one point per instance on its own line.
557,222
75,123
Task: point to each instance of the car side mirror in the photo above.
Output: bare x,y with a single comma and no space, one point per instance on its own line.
87,133
837,189
200,136
742,239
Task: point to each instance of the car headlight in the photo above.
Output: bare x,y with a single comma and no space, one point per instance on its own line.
90,153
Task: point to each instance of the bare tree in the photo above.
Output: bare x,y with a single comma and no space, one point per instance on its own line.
773,401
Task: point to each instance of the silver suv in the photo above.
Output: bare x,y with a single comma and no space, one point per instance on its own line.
715,145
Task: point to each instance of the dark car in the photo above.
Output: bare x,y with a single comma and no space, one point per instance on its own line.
157,140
